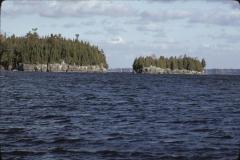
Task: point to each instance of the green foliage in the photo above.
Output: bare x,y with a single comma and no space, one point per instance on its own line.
32,49
173,63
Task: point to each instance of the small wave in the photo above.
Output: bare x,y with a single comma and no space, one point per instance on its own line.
108,153
176,122
31,141
60,150
202,130
50,116
220,134
172,141
197,121
90,97
48,106
115,138
66,140
12,131
221,137
23,153
172,157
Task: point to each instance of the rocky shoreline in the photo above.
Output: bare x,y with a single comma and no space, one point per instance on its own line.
56,67
157,70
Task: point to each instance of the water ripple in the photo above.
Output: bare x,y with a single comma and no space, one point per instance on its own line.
119,116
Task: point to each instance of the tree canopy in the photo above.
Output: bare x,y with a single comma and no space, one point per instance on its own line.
33,49
174,63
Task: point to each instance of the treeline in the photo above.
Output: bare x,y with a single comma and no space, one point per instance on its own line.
33,49
173,63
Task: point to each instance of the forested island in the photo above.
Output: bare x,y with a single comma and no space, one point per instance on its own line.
172,65
52,53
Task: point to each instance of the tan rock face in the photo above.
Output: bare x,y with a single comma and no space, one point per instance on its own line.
157,70
62,67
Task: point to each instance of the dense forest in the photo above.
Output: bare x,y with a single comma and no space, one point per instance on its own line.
33,49
173,63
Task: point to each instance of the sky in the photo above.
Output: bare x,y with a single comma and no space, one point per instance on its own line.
126,29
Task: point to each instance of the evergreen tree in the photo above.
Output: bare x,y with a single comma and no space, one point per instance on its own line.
181,63
34,49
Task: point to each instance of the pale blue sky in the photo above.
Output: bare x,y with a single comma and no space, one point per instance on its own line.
127,29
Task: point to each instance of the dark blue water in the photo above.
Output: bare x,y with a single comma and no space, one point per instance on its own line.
71,116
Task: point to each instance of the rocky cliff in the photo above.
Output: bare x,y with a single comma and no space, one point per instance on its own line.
62,67
56,67
157,70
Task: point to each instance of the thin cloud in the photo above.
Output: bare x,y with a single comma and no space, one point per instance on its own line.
164,15
60,9
93,33
114,30
117,40
230,38
217,18
151,28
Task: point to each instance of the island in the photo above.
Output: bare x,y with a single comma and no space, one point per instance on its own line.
169,65
52,53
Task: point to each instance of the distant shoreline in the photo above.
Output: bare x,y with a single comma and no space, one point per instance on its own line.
130,71
205,72
222,71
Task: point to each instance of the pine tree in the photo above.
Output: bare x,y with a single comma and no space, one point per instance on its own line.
173,63
50,49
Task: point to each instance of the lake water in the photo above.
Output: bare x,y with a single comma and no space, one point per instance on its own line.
71,116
